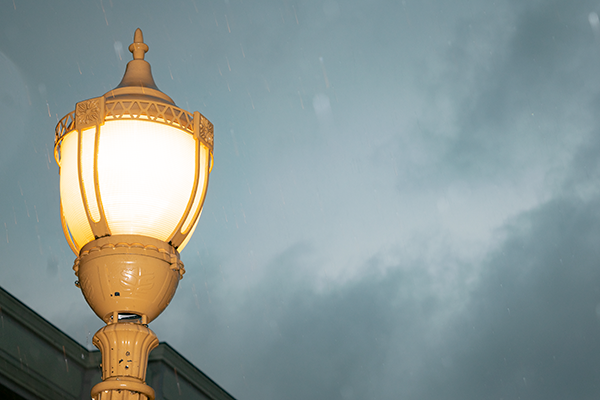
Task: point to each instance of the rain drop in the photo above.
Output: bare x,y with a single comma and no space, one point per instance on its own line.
119,49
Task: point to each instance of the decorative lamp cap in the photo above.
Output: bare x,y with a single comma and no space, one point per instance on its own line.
138,80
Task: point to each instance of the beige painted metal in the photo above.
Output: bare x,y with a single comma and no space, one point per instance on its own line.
127,279
125,348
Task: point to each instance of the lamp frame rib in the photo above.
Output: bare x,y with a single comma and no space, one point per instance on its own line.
88,114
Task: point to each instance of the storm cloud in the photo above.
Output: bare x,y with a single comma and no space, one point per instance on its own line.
405,201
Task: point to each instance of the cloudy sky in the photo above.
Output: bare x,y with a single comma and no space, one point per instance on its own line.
405,201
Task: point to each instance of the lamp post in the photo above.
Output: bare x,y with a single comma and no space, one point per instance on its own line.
134,172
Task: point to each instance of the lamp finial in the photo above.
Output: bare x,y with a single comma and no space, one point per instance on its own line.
138,47
138,80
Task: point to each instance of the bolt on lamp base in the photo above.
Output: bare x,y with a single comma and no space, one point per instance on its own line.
125,347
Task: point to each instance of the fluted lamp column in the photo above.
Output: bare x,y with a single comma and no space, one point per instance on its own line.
134,172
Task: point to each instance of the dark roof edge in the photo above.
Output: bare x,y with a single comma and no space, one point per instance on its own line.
167,354
44,329
49,333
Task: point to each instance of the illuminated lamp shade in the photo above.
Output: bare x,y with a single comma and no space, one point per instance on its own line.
132,163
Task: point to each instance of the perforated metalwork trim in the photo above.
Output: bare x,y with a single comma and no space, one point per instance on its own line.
142,109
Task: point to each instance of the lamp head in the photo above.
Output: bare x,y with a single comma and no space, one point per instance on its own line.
134,170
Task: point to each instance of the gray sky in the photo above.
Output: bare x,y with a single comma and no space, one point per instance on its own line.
405,201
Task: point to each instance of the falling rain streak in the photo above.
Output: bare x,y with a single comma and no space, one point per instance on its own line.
104,11
195,296
66,361
251,102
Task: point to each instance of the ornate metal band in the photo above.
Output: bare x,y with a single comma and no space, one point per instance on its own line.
176,263
130,389
95,111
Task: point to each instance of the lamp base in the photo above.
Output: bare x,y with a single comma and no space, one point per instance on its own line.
128,276
125,348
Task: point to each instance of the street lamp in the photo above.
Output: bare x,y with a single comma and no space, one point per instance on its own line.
134,172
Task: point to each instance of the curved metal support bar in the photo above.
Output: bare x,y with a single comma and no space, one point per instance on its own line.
90,114
66,230
202,128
